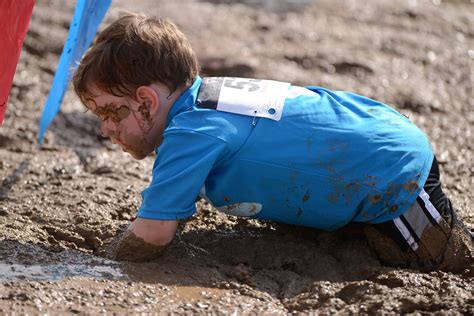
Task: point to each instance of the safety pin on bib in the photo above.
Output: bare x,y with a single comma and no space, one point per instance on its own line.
254,121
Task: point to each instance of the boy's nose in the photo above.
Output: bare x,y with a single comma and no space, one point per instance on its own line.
105,131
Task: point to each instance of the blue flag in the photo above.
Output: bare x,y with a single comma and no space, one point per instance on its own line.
86,20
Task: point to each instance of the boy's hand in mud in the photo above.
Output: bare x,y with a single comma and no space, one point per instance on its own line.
144,240
128,247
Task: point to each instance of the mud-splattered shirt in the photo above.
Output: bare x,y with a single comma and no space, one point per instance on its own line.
333,157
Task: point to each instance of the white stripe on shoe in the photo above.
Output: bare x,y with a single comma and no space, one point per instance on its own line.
417,219
429,206
405,233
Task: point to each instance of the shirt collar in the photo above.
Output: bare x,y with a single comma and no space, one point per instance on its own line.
185,101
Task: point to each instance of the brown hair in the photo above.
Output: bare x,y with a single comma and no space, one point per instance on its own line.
136,50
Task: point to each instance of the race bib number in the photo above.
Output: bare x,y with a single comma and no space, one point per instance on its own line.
251,97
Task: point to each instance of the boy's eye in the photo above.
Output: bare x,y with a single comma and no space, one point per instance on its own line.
116,114
113,118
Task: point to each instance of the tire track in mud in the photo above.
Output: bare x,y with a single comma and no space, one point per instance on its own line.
13,178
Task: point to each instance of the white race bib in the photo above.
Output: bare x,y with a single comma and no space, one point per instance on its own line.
250,97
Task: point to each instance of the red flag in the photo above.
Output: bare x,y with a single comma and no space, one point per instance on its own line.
14,20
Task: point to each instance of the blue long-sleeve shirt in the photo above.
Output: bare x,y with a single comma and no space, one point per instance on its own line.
332,158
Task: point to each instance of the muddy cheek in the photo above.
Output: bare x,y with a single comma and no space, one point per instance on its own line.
143,109
123,113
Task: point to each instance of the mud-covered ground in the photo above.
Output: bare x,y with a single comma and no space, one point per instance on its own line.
60,205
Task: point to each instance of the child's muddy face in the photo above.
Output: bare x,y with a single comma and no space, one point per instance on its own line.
125,121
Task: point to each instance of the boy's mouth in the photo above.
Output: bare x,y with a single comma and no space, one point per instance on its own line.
117,142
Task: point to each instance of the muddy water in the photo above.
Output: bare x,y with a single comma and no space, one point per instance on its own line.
60,207
54,272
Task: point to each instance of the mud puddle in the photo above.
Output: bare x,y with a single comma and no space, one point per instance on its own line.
108,271
56,272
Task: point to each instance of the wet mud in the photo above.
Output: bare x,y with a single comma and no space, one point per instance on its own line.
128,247
62,206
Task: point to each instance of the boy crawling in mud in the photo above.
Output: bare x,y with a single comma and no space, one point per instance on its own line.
264,149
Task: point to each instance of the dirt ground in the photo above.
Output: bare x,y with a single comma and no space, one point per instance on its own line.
60,205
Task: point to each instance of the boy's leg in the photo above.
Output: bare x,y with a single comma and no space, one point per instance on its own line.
428,236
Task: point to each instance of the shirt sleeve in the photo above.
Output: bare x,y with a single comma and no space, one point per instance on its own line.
182,165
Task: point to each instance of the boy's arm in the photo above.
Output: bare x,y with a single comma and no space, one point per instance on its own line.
185,161
144,239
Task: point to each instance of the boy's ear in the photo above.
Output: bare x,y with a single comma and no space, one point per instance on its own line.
148,96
